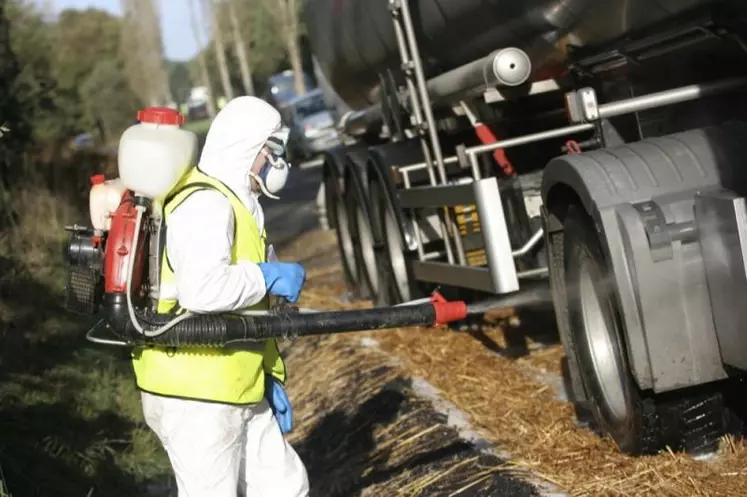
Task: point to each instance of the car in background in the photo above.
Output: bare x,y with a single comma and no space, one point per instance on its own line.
312,127
197,108
281,88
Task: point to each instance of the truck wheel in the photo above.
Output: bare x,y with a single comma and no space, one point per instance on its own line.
398,284
396,249
331,198
362,231
639,422
345,244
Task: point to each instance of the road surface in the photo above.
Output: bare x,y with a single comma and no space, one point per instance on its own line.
296,212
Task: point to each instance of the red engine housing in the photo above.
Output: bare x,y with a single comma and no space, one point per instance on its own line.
119,252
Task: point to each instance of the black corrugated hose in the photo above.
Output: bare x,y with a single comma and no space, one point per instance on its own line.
233,330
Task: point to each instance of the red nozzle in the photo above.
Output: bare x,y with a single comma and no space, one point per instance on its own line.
97,179
447,312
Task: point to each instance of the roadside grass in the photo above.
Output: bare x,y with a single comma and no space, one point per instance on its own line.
70,418
200,128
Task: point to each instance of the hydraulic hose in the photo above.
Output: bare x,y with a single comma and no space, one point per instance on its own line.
236,330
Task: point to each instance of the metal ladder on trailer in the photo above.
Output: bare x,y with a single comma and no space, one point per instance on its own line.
500,275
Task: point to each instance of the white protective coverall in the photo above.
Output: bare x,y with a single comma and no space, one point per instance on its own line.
214,448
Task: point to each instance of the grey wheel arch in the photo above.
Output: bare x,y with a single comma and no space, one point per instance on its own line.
668,345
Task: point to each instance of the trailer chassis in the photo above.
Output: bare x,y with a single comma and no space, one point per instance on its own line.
644,241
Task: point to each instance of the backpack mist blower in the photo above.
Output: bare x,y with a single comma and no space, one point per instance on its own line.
115,265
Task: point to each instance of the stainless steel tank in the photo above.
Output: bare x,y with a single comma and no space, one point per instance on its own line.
353,40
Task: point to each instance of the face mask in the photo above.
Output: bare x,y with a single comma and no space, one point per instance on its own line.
272,176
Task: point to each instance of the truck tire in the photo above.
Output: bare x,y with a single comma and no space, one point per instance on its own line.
334,193
639,422
398,284
363,236
346,245
331,197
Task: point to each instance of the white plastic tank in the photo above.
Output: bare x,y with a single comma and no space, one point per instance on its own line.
103,199
155,153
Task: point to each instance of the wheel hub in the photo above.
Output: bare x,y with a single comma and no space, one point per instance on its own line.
603,350
396,254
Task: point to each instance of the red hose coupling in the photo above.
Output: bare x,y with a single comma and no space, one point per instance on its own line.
447,312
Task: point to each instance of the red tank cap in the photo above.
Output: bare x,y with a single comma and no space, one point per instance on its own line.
97,179
160,115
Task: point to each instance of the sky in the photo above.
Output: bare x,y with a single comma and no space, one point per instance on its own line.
179,41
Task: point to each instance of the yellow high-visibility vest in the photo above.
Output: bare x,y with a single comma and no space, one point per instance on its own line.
235,376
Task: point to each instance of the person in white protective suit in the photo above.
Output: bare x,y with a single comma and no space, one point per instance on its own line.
221,415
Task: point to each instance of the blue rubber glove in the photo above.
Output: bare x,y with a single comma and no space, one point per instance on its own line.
284,279
279,403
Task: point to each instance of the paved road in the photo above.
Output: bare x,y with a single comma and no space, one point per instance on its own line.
296,212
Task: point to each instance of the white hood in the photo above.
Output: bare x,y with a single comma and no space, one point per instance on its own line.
236,136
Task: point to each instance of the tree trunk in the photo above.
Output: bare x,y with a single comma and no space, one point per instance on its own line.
133,52
288,13
241,52
294,53
143,48
149,53
201,59
158,52
220,50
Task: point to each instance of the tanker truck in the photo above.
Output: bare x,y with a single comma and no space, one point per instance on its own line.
596,147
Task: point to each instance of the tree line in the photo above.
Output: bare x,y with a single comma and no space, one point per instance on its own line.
88,71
